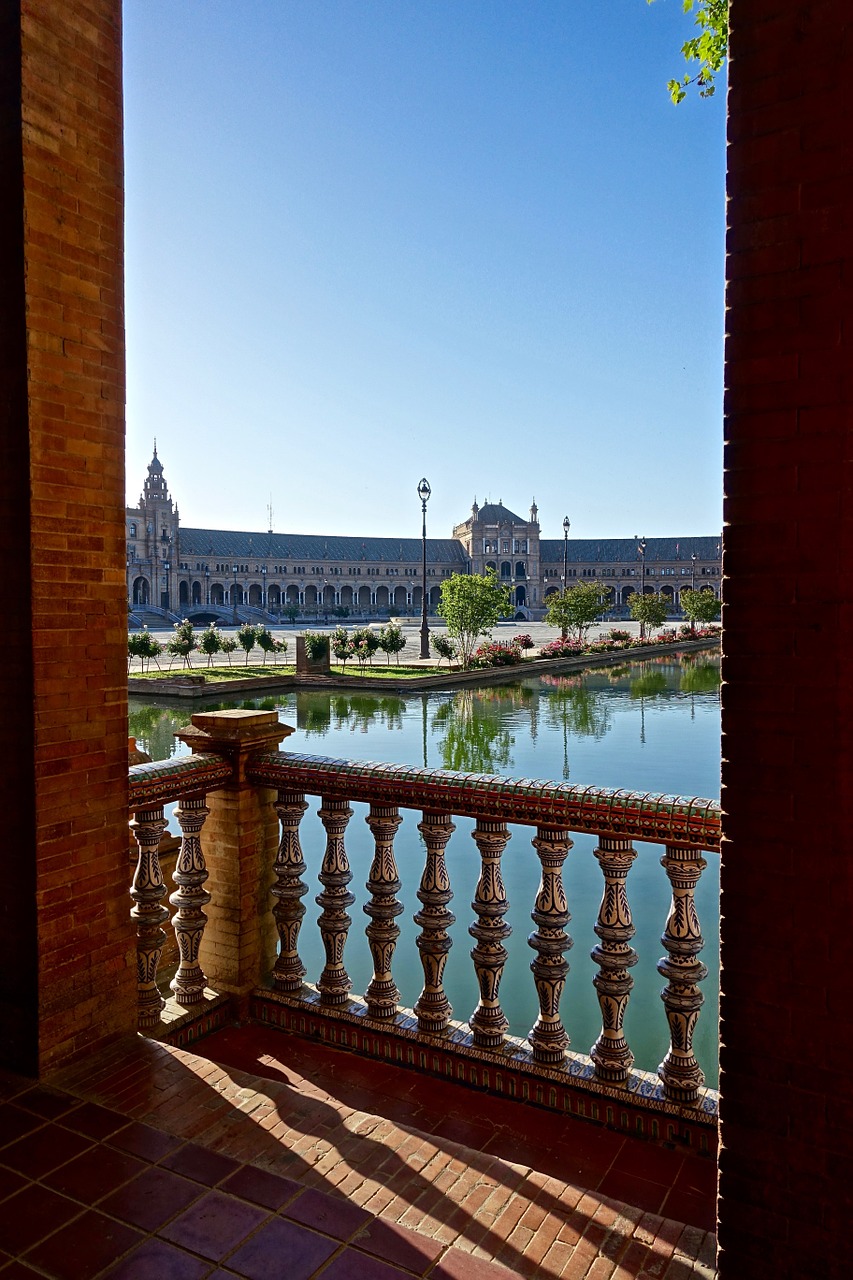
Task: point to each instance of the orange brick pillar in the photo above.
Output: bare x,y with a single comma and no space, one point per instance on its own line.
787,872
240,845
66,948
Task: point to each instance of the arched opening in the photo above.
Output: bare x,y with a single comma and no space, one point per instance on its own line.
141,591
196,593
400,599
183,593
520,571
364,598
310,596
506,569
274,597
291,595
217,594
628,591
520,595
382,598
256,596
346,597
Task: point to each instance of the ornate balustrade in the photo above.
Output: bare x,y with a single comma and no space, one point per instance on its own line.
256,796
685,827
152,787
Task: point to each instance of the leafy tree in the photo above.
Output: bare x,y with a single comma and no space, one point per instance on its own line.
700,606
183,642
365,643
142,645
391,640
247,638
709,48
576,608
265,639
444,647
649,609
229,646
316,645
291,612
210,642
342,646
471,605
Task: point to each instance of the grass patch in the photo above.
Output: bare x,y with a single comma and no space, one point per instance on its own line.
215,675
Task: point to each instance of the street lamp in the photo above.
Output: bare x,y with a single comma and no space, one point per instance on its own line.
566,527
263,586
424,492
641,553
234,593
692,586
164,595
207,585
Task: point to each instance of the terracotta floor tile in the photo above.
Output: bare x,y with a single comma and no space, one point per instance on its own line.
152,1198
94,1174
83,1248
332,1215
94,1121
204,1166
20,1271
10,1182
393,1243
684,1206
49,1103
261,1187
144,1141
157,1260
352,1265
261,1258
646,1160
214,1225
44,1150
15,1123
633,1190
459,1265
31,1215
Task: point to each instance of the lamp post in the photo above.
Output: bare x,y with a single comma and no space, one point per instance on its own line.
641,552
424,492
164,595
234,593
207,585
567,524
263,586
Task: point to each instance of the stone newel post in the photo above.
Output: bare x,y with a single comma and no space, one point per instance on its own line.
241,842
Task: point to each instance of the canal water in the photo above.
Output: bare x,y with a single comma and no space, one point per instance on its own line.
651,726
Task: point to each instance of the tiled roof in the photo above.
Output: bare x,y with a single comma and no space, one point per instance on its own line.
497,513
316,548
614,550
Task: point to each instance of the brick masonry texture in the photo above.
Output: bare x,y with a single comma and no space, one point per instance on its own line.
68,440
787,748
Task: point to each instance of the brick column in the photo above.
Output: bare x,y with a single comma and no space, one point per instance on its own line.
240,845
67,979
785,1203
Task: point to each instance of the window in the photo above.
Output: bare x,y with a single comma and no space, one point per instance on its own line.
133,531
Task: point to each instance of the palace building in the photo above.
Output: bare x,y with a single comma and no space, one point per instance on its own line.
187,571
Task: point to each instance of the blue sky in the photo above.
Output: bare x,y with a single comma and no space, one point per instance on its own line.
370,240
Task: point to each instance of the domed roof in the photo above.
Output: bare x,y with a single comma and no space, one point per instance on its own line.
155,466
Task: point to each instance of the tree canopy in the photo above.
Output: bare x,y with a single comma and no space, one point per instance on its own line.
709,48
700,606
649,609
471,605
576,608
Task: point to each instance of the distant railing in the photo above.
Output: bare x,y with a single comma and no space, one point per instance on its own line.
685,827
152,786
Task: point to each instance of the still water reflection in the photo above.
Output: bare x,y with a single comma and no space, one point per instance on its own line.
652,726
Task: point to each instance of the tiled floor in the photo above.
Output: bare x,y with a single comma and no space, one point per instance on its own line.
282,1159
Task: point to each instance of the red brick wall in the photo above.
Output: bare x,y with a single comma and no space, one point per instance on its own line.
787,753
67,511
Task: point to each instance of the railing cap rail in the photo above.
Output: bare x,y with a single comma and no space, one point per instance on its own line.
167,780
637,815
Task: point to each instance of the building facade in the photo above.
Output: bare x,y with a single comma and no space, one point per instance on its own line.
184,570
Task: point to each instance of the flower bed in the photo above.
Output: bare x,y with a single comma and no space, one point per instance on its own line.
618,640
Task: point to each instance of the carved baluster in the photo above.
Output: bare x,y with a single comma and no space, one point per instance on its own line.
384,906
680,1072
548,1035
189,920
488,1021
334,982
288,911
614,956
148,913
432,1006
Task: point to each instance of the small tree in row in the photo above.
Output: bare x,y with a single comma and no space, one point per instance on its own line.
577,608
391,640
649,609
444,647
142,645
182,643
471,605
700,606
